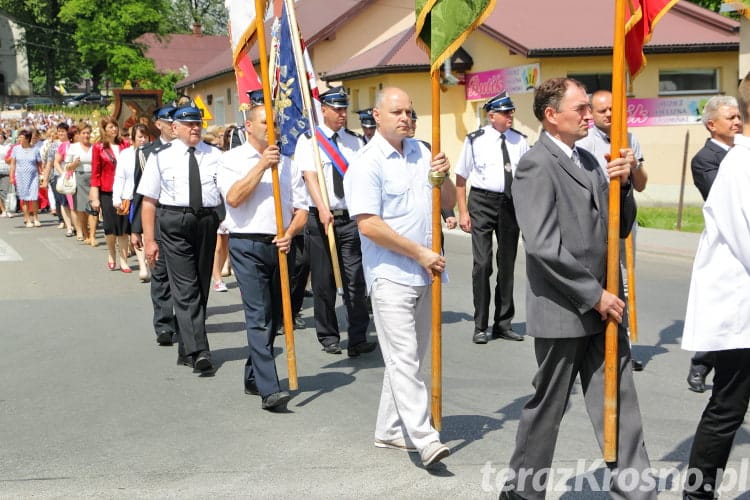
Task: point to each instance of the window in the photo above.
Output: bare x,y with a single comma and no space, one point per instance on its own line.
690,81
594,81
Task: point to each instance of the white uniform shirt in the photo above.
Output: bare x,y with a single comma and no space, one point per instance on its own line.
482,159
395,187
718,316
597,143
257,214
166,176
304,161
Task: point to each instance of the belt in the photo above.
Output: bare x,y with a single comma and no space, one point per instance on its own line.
337,214
259,237
201,212
486,192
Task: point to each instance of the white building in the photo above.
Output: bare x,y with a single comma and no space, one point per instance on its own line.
14,66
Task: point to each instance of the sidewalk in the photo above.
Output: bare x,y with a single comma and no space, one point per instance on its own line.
668,243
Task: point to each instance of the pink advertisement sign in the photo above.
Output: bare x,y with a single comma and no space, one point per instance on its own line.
665,111
515,80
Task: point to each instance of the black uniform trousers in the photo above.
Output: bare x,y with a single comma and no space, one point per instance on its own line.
161,296
188,242
722,417
352,277
301,270
256,265
492,213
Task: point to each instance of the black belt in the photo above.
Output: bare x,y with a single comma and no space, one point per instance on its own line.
337,214
262,238
486,192
201,212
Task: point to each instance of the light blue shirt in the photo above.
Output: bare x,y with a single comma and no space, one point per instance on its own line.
383,182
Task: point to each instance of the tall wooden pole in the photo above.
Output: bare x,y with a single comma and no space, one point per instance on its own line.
617,136
437,298
286,301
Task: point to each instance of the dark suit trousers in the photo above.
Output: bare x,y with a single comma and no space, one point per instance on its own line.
493,213
256,266
301,271
161,295
722,417
188,242
560,362
324,287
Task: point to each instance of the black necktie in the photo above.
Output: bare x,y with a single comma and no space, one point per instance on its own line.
194,181
338,179
508,170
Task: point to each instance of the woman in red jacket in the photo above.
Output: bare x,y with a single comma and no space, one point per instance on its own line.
103,163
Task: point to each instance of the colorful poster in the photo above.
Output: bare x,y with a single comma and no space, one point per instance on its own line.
665,111
515,80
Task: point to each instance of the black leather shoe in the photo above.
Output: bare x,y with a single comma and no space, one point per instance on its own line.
203,361
510,495
308,293
362,348
637,365
299,323
251,388
334,348
696,380
164,339
479,337
507,335
186,360
276,401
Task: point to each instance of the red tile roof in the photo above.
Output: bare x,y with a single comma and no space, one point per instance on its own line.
552,29
172,52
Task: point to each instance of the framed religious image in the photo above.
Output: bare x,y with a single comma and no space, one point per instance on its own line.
137,106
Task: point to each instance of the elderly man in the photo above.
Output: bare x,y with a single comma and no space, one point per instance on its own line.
390,197
245,180
489,157
717,317
338,146
722,119
181,178
560,195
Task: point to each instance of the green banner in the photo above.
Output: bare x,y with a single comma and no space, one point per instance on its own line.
443,25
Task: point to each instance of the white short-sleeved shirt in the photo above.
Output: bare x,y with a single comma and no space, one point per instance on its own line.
75,150
257,214
166,175
124,183
394,187
481,159
597,143
349,145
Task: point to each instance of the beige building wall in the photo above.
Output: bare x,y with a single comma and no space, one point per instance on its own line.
223,92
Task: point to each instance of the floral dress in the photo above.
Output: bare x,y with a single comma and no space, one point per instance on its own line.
27,172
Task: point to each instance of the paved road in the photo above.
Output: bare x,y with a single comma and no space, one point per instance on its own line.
90,407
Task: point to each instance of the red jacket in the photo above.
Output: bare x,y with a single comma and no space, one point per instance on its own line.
103,163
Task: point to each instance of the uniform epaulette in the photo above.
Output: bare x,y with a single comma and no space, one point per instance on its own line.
475,134
518,132
160,147
355,134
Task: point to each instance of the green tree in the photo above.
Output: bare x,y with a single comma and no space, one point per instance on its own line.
104,34
713,5
47,42
210,14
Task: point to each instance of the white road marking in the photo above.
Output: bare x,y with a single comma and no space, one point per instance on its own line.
8,254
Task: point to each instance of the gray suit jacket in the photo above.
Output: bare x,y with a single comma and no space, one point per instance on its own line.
562,213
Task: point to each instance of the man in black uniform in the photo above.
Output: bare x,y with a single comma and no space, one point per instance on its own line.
161,297
367,121
181,178
338,146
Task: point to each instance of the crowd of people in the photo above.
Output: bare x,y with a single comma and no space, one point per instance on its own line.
194,206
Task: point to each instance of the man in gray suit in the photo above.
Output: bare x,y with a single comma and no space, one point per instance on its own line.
560,195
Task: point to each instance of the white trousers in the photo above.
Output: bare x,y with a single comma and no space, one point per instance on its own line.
402,317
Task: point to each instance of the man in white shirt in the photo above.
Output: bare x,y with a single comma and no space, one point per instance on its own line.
245,180
338,146
489,157
390,197
181,178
